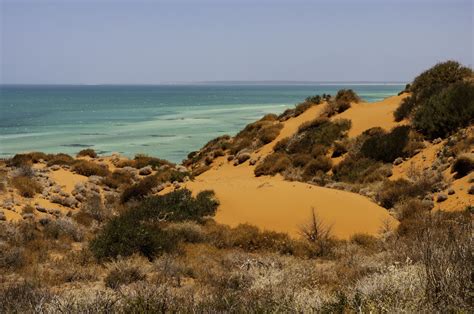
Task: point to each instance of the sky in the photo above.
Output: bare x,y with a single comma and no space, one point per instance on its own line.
152,42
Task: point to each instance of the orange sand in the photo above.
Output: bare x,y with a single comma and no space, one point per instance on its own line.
274,204
66,179
368,115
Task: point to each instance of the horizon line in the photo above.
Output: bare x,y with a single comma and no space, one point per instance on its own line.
223,82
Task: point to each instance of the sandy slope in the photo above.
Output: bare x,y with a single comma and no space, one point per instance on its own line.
275,204
368,115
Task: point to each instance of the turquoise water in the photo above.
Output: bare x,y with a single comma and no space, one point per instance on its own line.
166,121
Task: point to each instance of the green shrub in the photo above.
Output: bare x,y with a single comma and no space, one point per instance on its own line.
256,134
300,160
320,164
387,147
447,111
139,229
87,152
140,189
320,131
355,169
463,165
346,96
89,168
314,99
273,164
26,186
403,111
430,83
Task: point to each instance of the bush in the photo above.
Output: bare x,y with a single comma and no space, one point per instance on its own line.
26,186
89,168
447,111
140,161
139,229
365,240
430,83
446,247
346,96
87,152
393,192
117,178
300,160
64,227
356,169
314,99
463,165
273,164
403,111
59,159
140,189
387,147
256,134
123,275
320,164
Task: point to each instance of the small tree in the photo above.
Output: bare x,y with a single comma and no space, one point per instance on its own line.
318,233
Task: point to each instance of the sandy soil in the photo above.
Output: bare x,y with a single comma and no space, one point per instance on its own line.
368,115
67,179
274,204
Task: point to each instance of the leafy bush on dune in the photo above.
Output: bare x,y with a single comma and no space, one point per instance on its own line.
256,134
404,110
273,164
140,189
26,186
320,164
89,168
425,104
447,111
138,230
387,146
141,160
117,178
87,152
356,169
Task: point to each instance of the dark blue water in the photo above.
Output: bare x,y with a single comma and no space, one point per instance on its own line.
167,121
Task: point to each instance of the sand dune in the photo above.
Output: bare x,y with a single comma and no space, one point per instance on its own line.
275,204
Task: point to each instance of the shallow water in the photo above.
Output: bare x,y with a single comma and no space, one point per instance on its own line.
166,121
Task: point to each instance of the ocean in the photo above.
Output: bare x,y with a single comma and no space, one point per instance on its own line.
166,121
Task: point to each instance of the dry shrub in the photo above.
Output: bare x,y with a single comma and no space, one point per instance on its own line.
22,297
117,179
395,191
64,227
27,209
89,168
12,257
26,186
447,258
125,272
318,233
140,161
366,240
300,160
87,152
273,164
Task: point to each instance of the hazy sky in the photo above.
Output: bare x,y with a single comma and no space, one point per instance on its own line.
105,41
